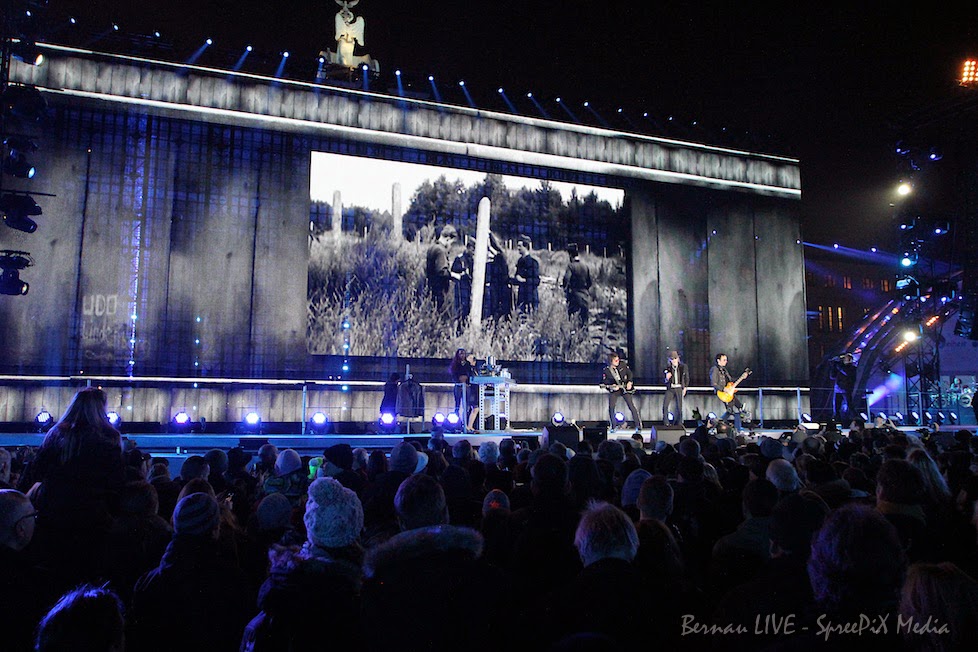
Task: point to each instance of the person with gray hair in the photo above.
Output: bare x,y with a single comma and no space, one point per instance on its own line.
605,532
26,591
489,452
17,517
783,476
607,542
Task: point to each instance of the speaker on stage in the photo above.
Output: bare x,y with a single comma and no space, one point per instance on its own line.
567,434
666,434
596,434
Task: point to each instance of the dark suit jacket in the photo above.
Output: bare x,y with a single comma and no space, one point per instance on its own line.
682,374
608,378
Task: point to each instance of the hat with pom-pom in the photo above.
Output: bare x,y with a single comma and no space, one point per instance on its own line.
334,515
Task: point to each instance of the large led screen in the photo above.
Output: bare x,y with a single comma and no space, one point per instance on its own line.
392,251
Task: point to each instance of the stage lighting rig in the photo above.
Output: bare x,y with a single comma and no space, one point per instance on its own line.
11,262
16,208
27,52
25,103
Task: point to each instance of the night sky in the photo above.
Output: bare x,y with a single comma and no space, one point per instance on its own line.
828,84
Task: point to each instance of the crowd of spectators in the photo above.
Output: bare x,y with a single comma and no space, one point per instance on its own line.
714,543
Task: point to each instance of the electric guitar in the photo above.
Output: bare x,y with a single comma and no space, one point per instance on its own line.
616,387
727,393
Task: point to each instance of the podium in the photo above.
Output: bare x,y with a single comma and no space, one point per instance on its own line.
493,400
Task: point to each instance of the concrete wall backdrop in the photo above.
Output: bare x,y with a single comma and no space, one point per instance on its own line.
197,223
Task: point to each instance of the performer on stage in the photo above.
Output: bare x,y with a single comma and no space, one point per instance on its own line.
617,379
720,378
466,393
677,380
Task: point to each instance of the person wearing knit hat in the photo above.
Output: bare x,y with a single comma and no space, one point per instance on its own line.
632,487
338,463
405,458
197,515
273,512
771,448
287,462
494,500
334,515
289,479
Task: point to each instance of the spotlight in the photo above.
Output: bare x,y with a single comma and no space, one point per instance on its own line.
940,415
16,208
873,249
928,415
954,418
557,419
557,100
499,90
915,415
619,418
438,419
251,422
115,27
182,423
43,421
882,415
319,422
387,423
862,415
11,262
27,52
530,95
711,415
904,189
209,41
397,73
114,419
835,246
909,336
935,154
431,78
462,83
24,102
898,416
285,55
17,165
454,423
248,48
671,416
364,67
806,418
157,34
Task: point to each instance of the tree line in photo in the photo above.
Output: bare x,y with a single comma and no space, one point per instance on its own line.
411,296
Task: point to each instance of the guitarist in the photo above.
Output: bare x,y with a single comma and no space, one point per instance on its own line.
719,378
617,379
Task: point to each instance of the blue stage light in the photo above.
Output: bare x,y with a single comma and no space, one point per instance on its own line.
248,48
209,41
181,418
397,73
438,419
252,419
499,90
557,419
43,421
114,418
619,418
453,419
387,418
806,418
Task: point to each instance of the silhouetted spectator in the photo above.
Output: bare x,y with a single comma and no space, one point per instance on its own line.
86,619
